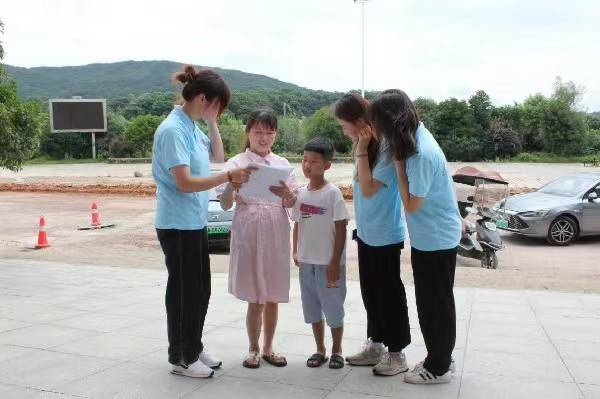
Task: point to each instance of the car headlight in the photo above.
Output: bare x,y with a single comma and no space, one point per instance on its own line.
535,214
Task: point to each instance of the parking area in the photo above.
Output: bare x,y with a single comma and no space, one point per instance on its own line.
524,264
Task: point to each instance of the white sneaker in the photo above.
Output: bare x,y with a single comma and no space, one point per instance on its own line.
194,370
420,375
369,355
391,363
452,367
210,360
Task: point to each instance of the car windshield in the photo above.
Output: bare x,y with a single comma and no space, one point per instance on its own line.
568,186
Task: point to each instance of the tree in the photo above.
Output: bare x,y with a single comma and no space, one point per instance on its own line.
457,132
592,143
1,48
20,127
140,132
532,133
232,133
567,92
112,143
481,106
290,136
322,123
511,115
500,141
158,103
563,129
593,121
426,108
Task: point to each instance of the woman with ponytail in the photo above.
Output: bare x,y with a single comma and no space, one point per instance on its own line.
181,156
379,235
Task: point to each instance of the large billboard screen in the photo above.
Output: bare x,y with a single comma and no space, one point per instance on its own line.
77,115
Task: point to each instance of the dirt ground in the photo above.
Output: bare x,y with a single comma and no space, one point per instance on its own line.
524,264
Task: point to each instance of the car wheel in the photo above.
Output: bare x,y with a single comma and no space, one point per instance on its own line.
562,231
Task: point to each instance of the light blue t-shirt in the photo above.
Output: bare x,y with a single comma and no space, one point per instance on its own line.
379,219
178,141
436,225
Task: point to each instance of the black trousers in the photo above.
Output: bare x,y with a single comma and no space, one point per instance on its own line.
188,291
433,272
383,294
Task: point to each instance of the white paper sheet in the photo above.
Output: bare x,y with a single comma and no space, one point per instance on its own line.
262,178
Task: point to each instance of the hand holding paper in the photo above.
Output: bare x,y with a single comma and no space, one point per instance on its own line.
262,178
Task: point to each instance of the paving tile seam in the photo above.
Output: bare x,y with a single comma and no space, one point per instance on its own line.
60,352
44,390
466,348
564,363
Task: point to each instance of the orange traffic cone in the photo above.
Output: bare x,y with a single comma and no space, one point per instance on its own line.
42,236
95,216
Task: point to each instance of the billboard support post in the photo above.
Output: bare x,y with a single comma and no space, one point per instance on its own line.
93,145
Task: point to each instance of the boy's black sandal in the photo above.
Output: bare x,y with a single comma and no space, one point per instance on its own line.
336,361
316,360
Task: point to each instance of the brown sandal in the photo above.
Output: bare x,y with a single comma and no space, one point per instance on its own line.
252,361
274,359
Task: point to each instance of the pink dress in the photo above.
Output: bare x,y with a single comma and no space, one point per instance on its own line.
259,261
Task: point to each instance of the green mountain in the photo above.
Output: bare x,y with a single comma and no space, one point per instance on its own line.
120,79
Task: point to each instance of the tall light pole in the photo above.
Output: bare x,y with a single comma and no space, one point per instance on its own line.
362,11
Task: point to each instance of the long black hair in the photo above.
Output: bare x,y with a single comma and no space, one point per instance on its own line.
394,116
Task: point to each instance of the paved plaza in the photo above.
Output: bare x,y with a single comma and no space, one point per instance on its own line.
70,331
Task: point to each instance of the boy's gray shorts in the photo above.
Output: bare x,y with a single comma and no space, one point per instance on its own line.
317,299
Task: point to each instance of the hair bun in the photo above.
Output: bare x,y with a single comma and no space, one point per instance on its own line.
186,74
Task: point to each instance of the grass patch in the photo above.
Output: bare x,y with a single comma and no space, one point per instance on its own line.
542,157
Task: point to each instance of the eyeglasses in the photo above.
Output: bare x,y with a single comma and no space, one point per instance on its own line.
264,132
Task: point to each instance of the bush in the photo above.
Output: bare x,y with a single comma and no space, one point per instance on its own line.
140,133
463,149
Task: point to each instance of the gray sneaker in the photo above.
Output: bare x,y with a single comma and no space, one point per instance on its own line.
369,355
391,363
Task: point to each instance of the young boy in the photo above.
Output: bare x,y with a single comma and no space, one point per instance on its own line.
319,239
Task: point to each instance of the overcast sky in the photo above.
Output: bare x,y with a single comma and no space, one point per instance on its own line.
436,48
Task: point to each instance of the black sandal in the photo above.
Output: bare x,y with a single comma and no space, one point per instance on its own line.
316,360
336,361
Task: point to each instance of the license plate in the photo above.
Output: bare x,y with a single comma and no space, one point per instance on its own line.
218,229
503,224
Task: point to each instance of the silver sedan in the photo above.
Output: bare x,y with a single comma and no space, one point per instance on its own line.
560,211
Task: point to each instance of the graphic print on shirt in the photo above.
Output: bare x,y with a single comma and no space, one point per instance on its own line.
308,210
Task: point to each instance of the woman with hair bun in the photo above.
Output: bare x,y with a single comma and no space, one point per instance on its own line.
181,156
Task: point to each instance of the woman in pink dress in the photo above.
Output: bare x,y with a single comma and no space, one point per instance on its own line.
259,265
